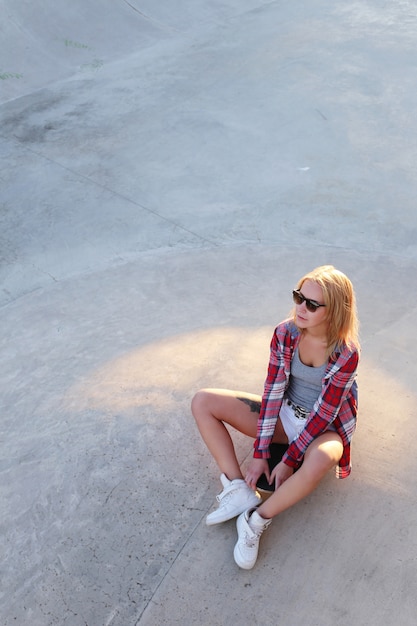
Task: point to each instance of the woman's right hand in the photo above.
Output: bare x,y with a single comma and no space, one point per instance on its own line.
256,468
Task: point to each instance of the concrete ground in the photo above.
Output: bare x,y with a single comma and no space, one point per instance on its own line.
168,171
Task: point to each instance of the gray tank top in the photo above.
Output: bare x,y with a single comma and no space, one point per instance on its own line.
305,383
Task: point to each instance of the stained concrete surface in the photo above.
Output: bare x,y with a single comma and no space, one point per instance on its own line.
168,171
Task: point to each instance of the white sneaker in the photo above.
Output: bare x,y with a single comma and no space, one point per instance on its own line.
250,526
235,498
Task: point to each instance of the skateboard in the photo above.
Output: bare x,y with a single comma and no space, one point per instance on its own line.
277,451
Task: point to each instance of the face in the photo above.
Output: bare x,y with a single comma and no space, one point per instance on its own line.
304,318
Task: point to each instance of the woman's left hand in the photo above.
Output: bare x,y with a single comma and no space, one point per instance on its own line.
280,474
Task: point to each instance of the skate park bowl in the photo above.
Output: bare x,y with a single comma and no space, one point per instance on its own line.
168,171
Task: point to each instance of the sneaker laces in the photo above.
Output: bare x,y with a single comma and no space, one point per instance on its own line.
251,540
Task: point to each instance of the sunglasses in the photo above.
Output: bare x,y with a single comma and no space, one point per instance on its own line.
311,305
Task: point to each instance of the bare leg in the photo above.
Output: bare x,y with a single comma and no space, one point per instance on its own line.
322,454
213,408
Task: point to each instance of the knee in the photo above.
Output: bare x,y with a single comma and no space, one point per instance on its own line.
321,463
200,403
323,458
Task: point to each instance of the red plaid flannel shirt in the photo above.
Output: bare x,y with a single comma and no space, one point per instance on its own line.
337,403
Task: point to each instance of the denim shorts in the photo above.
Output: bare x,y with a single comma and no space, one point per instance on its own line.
291,424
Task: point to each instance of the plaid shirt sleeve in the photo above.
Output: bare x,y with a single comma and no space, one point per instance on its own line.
336,404
284,340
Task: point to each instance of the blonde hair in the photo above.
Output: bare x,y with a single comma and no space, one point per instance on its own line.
339,298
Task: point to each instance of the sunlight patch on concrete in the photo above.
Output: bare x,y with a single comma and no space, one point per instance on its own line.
160,373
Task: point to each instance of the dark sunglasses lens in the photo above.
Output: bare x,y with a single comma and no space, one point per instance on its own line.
298,298
311,306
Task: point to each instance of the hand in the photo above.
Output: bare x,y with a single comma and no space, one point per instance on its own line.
280,474
256,468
